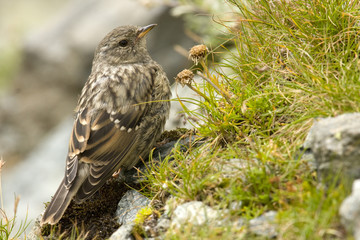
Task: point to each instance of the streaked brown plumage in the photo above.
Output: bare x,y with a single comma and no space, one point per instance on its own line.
121,112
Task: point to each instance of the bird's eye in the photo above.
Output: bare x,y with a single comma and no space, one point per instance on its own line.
123,43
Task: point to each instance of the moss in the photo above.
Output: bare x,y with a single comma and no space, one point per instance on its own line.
145,222
93,218
142,215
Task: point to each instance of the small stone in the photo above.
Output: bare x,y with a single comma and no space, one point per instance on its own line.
196,213
123,233
264,225
129,205
235,206
163,224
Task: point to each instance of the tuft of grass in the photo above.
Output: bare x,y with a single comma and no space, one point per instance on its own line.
181,174
54,232
315,214
288,62
282,64
8,225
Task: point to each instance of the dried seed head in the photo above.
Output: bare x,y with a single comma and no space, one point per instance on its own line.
185,77
198,52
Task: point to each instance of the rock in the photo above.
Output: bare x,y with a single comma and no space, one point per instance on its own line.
195,212
235,206
305,152
129,205
350,211
264,225
163,224
123,233
335,144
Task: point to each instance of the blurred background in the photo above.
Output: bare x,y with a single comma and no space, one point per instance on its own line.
46,50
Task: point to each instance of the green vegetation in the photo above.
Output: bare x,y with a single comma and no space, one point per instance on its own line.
282,63
8,227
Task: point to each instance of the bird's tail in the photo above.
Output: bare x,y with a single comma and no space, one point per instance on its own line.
57,206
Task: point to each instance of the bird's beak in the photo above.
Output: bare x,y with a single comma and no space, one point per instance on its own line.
144,30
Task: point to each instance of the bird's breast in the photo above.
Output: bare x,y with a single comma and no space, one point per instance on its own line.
115,87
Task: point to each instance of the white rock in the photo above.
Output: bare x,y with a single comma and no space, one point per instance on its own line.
264,225
350,211
197,213
130,204
335,145
123,233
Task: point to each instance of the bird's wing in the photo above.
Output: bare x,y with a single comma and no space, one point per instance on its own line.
78,142
103,144
103,140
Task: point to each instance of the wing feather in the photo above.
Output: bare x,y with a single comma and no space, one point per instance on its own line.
107,155
78,142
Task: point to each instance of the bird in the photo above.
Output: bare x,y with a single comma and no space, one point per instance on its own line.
121,112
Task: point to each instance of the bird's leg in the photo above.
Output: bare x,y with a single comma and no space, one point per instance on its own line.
119,174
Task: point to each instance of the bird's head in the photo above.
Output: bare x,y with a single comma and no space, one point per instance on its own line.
125,44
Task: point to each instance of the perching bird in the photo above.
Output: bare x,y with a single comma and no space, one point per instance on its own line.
120,114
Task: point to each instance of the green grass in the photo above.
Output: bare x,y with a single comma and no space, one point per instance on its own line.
285,63
8,228
8,225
